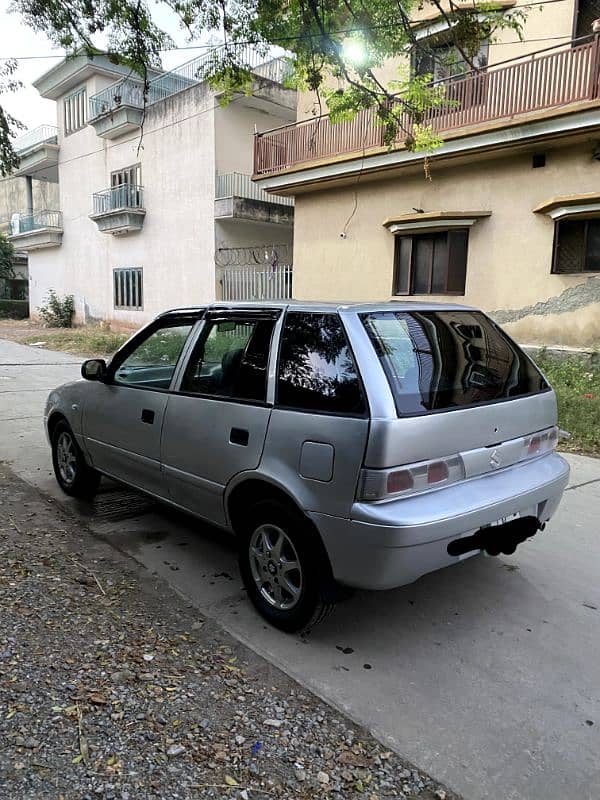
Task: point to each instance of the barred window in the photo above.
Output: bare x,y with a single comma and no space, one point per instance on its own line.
128,288
576,246
75,111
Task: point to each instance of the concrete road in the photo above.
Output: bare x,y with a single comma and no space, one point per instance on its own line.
487,674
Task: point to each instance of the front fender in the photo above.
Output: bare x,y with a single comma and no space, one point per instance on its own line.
68,401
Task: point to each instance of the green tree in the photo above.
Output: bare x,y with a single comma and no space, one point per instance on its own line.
331,42
7,270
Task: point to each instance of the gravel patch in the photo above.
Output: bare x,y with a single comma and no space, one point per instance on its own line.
112,686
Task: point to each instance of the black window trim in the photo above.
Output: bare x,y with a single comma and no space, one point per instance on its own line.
218,315
351,415
141,336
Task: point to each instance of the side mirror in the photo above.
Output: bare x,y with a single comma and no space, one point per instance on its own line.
94,369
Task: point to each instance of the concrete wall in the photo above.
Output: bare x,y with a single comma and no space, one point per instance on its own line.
175,247
510,253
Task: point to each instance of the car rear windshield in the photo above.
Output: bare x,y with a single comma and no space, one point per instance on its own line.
442,360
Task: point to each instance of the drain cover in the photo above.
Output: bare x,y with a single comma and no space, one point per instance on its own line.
121,503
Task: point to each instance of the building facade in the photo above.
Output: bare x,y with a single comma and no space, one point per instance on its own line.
505,215
156,207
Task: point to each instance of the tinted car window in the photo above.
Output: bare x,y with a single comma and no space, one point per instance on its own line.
440,360
230,360
152,364
316,368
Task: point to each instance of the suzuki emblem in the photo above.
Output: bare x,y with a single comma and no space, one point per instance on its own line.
495,460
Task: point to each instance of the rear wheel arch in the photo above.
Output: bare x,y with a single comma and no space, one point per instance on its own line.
252,491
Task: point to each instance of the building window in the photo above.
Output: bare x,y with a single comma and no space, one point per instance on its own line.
431,263
442,59
128,288
128,176
586,11
576,246
75,111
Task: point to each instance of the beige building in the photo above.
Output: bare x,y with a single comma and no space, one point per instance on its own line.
155,205
505,215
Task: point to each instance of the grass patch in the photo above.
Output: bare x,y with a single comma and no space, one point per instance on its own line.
88,341
577,387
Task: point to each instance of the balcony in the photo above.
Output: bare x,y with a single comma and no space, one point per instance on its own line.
237,197
35,231
119,210
550,92
38,153
119,108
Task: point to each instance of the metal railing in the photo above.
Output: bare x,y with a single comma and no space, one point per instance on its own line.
43,134
252,283
125,195
130,91
25,223
547,79
235,184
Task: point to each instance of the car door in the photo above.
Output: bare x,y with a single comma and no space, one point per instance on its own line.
217,417
123,415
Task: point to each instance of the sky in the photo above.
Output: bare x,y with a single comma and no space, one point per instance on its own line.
17,40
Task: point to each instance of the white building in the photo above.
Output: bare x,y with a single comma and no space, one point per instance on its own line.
156,207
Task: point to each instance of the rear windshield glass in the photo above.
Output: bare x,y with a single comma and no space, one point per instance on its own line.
440,360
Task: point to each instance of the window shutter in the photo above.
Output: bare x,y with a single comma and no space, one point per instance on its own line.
457,261
402,257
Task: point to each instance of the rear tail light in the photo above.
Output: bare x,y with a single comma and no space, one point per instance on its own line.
540,443
383,484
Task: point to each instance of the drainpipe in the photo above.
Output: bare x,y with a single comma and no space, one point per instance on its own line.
29,193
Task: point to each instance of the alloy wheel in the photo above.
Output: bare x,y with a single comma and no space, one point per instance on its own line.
66,457
275,566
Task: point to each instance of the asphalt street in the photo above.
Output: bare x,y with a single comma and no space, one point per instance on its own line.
487,675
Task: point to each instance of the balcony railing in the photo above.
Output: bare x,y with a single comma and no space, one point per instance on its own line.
125,195
26,223
547,79
44,134
235,184
131,91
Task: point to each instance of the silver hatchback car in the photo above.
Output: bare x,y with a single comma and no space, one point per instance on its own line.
357,445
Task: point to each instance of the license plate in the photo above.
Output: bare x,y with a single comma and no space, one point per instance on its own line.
504,520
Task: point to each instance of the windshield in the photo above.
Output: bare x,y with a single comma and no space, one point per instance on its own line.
441,360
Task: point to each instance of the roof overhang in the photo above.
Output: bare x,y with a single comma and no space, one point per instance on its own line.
571,205
433,221
72,72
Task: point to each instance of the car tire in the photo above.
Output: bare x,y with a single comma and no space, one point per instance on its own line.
74,476
274,539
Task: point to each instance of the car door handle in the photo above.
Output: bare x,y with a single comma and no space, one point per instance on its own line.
239,436
147,416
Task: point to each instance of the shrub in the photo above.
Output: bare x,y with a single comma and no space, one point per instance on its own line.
14,309
57,312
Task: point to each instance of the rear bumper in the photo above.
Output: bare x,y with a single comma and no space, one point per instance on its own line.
390,544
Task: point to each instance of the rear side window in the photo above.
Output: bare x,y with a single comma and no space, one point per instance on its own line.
442,360
316,368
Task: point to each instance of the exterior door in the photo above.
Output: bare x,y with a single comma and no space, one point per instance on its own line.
122,418
216,420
